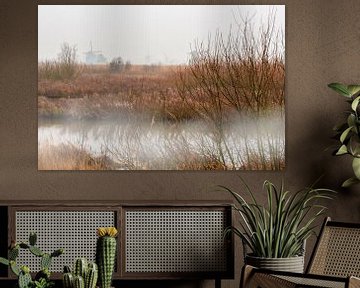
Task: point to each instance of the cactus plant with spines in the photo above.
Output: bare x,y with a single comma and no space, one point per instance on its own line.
42,278
13,253
45,261
57,253
79,282
106,254
91,276
81,267
24,245
44,273
32,238
14,268
24,280
68,280
36,251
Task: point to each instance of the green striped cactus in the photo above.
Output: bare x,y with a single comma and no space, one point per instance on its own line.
106,254
84,274
80,267
79,282
91,276
68,280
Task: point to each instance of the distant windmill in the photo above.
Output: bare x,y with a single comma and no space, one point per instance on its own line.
94,57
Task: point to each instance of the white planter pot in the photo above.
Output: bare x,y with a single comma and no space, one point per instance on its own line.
291,264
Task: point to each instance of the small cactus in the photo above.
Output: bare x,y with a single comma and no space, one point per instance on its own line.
13,253
24,246
36,251
88,273
68,280
106,254
45,261
80,268
14,268
79,282
44,273
24,278
32,239
91,276
57,252
67,269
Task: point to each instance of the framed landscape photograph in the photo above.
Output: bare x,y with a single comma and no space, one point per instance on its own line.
161,87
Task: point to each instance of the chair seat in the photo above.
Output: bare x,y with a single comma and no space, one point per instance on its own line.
335,262
267,279
315,282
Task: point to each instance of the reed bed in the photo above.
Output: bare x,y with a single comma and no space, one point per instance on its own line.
227,77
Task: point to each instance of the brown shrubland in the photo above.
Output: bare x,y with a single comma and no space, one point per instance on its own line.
242,73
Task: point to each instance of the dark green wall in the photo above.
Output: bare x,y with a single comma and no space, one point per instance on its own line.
322,46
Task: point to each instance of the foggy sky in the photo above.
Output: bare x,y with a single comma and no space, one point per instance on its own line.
142,34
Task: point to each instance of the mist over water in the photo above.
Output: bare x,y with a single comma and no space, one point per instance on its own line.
164,145
161,99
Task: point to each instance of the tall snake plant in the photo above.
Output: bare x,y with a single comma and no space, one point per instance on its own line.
279,229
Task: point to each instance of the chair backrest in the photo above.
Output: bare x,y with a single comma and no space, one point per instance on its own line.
337,251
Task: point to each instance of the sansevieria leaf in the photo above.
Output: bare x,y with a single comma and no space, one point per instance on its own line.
279,228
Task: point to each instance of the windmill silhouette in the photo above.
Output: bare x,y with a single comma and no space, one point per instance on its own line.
94,57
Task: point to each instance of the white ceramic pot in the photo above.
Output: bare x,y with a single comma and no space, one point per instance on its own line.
291,264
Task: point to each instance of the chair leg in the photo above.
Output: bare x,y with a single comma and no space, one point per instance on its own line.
246,273
217,283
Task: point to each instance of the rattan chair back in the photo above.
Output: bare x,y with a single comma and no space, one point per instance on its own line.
337,252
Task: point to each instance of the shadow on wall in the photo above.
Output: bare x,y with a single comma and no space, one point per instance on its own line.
334,169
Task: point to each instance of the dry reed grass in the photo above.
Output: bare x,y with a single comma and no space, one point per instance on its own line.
98,93
69,157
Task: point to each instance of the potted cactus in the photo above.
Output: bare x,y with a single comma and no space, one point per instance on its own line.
85,275
42,278
106,254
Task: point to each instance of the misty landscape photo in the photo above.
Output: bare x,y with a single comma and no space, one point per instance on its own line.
161,87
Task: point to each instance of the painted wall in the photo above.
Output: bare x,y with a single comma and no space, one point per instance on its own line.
322,46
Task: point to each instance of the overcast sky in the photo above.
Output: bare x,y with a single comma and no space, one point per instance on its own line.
142,34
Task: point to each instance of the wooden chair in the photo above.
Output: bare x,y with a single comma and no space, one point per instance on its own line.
335,262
